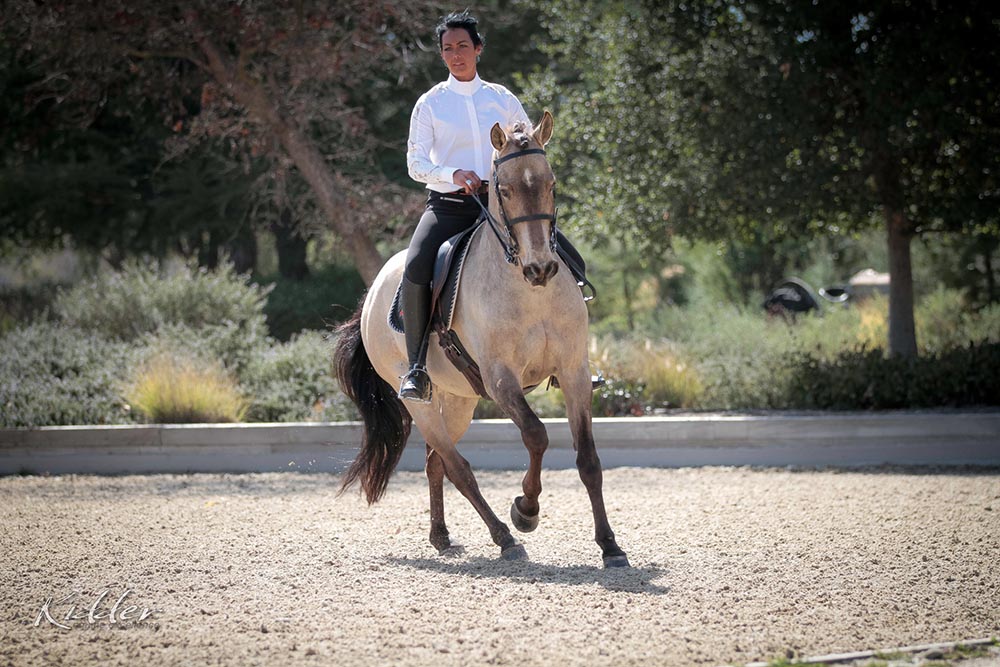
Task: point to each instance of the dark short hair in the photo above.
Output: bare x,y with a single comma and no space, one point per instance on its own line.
459,20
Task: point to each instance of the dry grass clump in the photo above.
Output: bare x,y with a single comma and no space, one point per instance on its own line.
655,369
170,390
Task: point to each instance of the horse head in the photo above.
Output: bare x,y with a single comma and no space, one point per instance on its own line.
524,196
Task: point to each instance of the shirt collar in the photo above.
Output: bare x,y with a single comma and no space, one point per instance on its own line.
467,88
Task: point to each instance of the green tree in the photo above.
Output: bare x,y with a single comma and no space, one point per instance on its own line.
721,119
104,186
273,80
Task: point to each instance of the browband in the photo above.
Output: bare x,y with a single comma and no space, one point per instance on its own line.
530,151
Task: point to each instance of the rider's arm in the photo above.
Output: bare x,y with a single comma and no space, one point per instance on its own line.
418,148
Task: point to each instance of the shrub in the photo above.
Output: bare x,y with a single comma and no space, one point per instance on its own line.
141,299
54,374
170,389
738,356
866,379
293,382
229,344
545,401
21,305
944,321
742,360
330,295
643,375
619,397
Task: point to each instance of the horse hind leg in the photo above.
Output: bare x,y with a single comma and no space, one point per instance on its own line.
578,396
442,423
439,537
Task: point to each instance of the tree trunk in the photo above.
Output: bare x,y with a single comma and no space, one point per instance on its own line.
291,247
902,331
306,156
208,251
242,251
626,288
991,282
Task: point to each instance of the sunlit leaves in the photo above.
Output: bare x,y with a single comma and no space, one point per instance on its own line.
717,118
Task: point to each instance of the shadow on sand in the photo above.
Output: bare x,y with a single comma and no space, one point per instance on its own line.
630,579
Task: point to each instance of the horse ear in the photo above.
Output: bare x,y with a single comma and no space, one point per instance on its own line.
543,131
498,137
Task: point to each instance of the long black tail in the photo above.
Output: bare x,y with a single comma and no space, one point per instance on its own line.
387,423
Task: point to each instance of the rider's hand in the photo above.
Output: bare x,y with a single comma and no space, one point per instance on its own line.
467,180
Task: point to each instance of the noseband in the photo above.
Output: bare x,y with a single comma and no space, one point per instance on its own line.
510,245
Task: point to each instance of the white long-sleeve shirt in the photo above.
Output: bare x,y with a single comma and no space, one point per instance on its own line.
450,130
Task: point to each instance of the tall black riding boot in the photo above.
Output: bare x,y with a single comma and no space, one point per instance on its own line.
416,304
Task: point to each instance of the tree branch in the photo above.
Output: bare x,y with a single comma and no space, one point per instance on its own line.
182,55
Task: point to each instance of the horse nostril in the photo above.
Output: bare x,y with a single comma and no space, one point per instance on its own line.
551,269
534,274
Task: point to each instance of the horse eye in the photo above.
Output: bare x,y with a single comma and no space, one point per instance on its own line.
505,192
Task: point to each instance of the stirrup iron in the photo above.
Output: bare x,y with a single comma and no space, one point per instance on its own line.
596,382
416,385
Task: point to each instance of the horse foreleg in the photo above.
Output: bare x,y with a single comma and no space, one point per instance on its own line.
460,473
509,395
577,389
434,468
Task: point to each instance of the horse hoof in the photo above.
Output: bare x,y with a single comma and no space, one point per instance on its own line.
514,552
620,560
522,522
452,550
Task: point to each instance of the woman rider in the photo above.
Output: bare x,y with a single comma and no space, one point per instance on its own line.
449,149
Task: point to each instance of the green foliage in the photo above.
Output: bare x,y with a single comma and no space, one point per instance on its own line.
736,358
103,169
227,343
768,123
963,652
55,374
23,304
770,118
783,662
643,376
944,321
867,379
143,299
969,262
545,401
293,381
620,397
328,296
705,355
76,370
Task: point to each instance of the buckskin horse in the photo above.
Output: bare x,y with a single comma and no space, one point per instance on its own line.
520,317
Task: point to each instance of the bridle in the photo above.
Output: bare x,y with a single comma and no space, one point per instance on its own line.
507,239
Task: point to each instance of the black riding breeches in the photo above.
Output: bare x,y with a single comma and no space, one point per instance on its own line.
445,215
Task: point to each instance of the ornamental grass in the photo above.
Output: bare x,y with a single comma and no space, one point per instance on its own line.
175,391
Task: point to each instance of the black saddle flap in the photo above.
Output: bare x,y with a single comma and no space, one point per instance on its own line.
447,276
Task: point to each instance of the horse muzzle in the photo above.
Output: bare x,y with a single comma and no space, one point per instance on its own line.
538,275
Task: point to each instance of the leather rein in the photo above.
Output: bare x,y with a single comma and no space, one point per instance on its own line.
510,245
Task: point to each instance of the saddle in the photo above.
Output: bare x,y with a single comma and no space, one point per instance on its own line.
447,279
448,268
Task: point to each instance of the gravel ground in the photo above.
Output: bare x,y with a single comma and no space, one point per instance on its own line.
730,565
